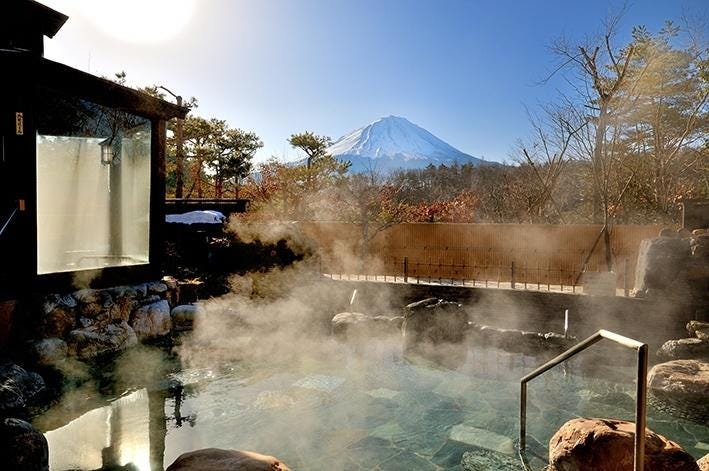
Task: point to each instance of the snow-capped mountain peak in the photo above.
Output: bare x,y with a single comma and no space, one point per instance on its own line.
394,142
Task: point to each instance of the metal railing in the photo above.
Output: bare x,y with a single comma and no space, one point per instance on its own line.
640,398
9,220
513,275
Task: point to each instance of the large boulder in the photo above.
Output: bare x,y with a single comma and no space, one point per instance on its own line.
607,445
683,385
700,245
22,447
185,316
520,341
95,308
683,349
94,341
355,325
434,320
18,387
125,300
152,320
214,459
172,294
57,316
660,261
698,329
156,287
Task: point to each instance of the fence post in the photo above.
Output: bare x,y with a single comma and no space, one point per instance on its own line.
512,278
406,269
626,288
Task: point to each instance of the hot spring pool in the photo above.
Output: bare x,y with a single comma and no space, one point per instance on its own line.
347,410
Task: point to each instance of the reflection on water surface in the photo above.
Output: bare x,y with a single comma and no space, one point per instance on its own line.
372,410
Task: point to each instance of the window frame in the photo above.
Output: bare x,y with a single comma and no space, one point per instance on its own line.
21,88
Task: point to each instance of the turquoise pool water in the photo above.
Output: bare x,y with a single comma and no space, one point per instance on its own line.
371,409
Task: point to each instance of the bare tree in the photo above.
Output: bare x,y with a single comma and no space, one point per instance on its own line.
370,200
547,155
605,91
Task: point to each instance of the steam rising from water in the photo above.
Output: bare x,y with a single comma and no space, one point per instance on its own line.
262,357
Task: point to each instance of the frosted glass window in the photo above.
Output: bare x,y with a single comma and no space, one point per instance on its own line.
93,187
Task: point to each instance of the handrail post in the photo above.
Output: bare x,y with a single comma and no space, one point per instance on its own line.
626,287
9,220
523,418
640,397
641,409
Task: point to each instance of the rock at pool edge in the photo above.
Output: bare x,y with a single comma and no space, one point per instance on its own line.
214,459
607,445
22,447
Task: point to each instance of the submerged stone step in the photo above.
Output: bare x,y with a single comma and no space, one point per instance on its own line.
482,438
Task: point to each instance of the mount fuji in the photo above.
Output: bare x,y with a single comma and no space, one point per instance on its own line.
394,143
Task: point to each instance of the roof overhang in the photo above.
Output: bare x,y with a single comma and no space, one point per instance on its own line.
27,14
53,75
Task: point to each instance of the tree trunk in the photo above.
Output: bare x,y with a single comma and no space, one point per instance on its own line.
364,248
607,244
218,185
600,196
179,156
596,210
198,177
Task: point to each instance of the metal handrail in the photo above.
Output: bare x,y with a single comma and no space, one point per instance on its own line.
7,223
640,397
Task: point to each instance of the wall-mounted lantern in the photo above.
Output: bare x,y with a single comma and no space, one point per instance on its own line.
107,151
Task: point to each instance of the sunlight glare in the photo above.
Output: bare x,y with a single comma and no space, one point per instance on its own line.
141,21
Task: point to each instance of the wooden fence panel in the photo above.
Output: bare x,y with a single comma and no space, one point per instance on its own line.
543,254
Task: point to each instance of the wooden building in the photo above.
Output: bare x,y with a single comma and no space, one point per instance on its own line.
82,176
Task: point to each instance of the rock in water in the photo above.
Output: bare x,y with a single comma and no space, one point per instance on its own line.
607,445
684,349
152,320
185,316
96,340
683,386
22,447
698,329
434,320
18,387
355,325
214,459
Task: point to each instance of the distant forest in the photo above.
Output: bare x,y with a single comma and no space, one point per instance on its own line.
625,147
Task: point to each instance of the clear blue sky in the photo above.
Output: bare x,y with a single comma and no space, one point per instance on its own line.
461,69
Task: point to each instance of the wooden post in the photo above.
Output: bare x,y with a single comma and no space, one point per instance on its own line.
406,269
626,287
512,278
539,275
573,283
